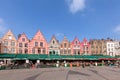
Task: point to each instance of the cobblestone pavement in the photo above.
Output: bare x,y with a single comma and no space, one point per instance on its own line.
94,73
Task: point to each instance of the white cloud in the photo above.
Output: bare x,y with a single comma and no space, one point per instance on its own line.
59,34
3,28
76,5
117,29
1,20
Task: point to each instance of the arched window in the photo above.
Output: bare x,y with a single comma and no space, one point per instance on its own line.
50,52
78,52
53,52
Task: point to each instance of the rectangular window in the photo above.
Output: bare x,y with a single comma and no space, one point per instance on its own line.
36,43
33,50
92,46
6,43
26,51
12,43
44,51
74,51
108,49
12,50
20,44
5,50
61,51
20,50
65,45
69,51
41,44
26,44
87,48
83,48
111,45
111,49
65,51
23,39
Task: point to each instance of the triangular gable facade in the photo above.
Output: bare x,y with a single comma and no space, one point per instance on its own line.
9,43
65,47
85,47
38,44
54,46
23,44
9,35
75,46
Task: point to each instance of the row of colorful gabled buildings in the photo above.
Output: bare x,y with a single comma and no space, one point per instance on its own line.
39,45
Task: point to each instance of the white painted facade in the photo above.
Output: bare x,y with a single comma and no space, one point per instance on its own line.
110,48
117,47
54,47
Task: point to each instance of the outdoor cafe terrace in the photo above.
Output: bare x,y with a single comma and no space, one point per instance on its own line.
55,57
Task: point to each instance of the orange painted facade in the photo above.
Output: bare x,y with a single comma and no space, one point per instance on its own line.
65,47
9,43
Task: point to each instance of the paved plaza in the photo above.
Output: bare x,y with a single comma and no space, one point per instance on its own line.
78,73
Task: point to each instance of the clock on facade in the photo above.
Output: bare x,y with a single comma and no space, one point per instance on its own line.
9,37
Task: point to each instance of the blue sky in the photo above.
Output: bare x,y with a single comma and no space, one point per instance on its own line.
93,19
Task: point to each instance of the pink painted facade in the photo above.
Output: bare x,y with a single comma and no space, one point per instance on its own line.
85,47
23,44
75,47
38,44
